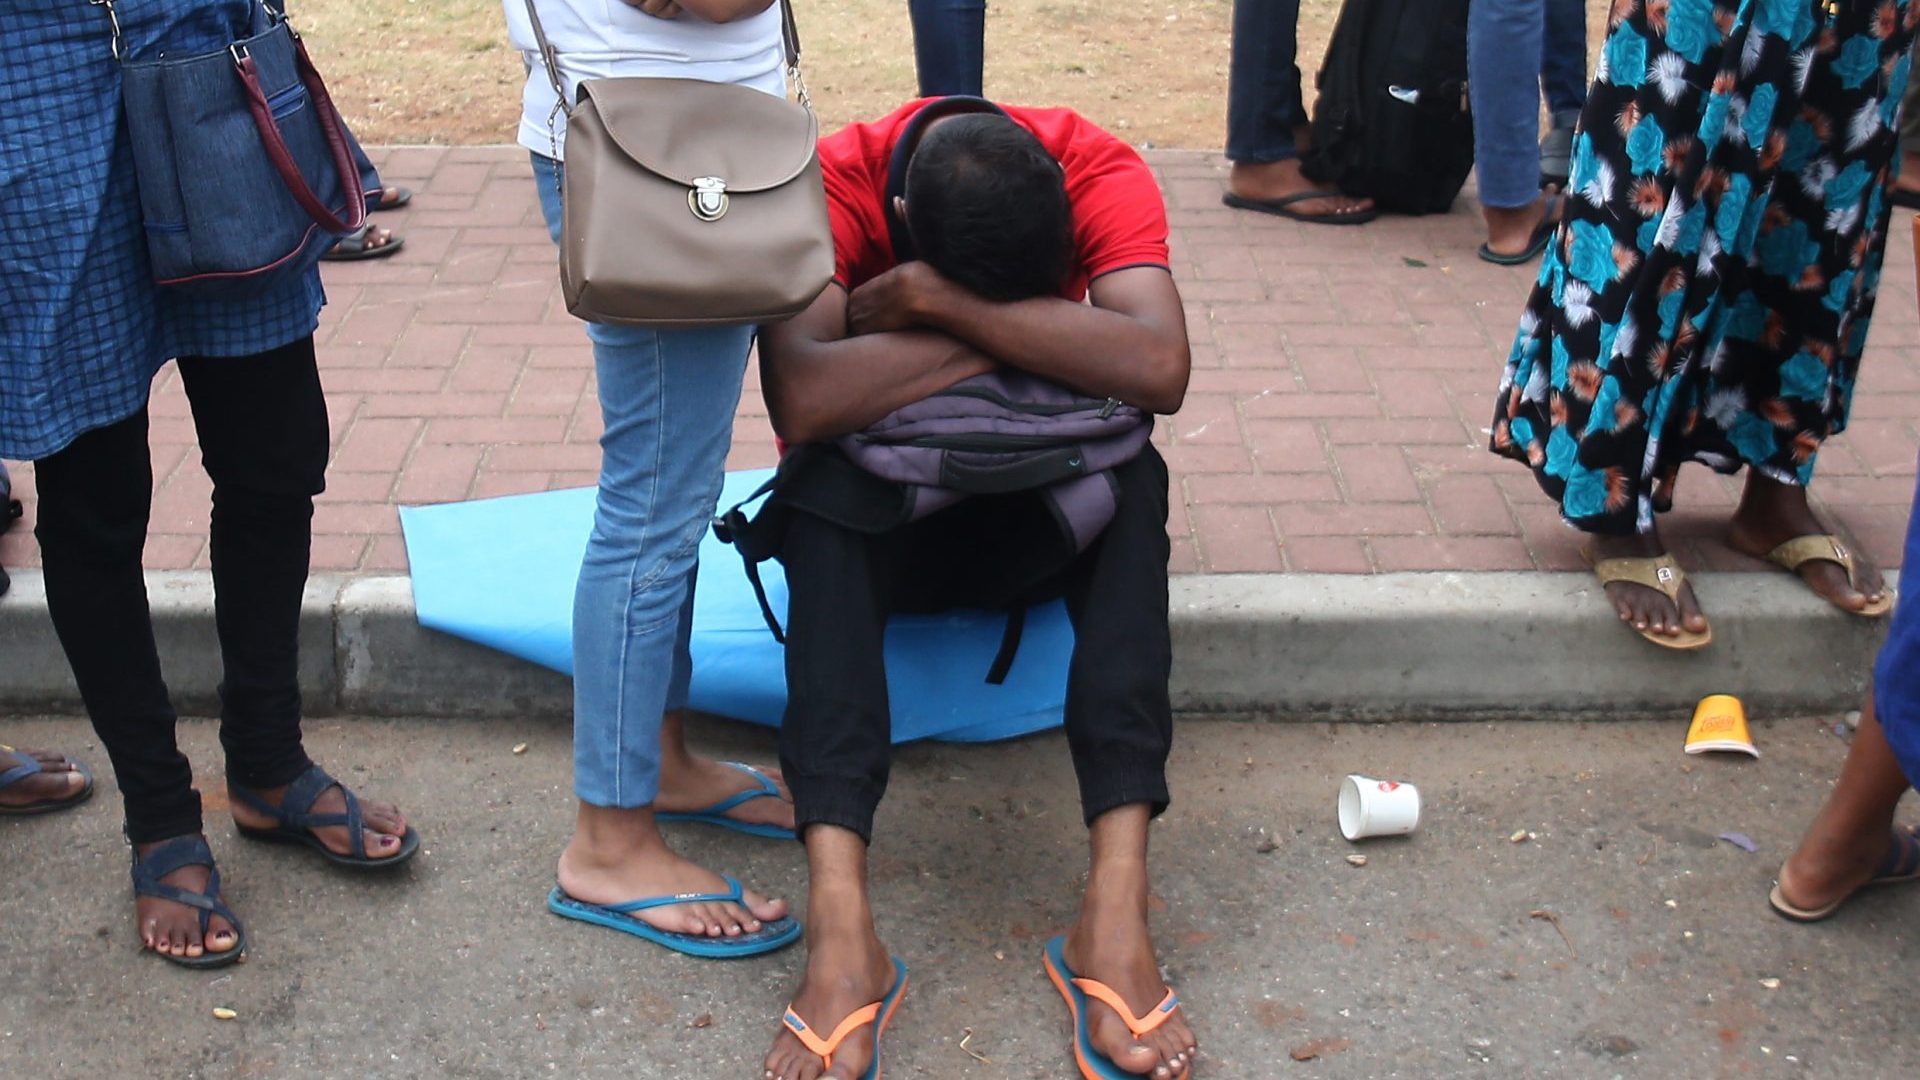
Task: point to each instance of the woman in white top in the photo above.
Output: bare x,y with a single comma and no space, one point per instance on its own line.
668,398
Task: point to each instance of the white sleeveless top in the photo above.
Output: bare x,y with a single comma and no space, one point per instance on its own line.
603,39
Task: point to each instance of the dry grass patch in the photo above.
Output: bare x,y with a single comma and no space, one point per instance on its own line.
1153,71
441,71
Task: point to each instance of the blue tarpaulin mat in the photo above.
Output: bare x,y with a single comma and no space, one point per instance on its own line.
500,572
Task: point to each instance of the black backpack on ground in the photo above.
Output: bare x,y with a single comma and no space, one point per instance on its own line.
1392,123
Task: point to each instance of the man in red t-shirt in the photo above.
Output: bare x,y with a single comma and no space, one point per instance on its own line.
970,236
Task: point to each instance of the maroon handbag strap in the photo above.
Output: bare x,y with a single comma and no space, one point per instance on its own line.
282,159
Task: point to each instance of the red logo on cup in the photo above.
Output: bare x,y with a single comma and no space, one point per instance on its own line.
1388,785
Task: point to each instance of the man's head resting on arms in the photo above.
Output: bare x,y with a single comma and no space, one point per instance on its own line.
987,207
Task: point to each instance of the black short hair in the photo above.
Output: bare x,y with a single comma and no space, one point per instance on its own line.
987,207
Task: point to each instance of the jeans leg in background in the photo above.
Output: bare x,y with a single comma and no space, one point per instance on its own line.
262,423
95,497
1503,66
949,46
1563,60
668,398
1263,82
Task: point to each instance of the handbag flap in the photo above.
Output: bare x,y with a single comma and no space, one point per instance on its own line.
684,129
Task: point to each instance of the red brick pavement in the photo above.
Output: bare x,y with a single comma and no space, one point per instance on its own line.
1343,382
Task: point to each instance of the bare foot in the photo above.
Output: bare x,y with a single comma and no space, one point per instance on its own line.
617,856
847,969
56,780
1270,180
1643,607
384,826
173,928
1772,513
693,783
1510,232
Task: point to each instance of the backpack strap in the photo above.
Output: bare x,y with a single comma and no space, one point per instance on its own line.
735,528
1009,646
1084,505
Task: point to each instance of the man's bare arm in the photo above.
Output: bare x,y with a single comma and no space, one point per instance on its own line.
1129,344
821,384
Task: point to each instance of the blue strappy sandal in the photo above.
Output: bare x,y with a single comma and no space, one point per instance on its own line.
169,856
771,936
30,767
717,813
295,822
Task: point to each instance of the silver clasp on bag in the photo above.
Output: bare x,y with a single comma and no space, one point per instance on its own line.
708,199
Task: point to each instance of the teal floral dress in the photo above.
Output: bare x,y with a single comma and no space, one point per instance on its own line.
1708,295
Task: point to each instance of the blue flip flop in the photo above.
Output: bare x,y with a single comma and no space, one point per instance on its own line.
30,767
717,813
164,859
879,1014
771,936
1095,1065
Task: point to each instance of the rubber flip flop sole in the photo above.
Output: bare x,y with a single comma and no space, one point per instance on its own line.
764,832
1282,208
53,806
769,938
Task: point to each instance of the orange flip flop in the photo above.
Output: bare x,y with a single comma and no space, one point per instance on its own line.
1095,1065
879,1014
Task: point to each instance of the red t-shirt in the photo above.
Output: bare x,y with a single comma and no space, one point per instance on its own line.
1119,219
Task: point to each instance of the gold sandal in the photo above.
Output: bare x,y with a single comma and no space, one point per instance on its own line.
1824,547
1663,575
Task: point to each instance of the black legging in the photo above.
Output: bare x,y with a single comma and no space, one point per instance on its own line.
262,424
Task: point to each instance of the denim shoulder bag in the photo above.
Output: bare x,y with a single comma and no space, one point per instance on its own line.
246,171
690,203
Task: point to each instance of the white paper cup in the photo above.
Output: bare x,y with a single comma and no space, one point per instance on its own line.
1370,807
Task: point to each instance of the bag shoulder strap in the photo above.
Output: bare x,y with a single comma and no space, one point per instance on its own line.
550,58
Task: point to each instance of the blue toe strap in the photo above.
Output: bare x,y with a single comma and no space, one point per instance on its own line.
765,788
20,772
734,895
295,812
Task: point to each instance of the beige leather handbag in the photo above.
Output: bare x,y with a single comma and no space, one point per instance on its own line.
690,203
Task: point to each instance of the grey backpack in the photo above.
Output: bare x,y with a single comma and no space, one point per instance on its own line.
1004,432
993,434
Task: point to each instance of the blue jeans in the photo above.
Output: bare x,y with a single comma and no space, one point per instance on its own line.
1263,82
949,45
1514,47
668,398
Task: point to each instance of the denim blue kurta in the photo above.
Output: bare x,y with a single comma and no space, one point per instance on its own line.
83,328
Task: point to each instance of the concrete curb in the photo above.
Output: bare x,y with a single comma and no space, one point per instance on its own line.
1387,646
